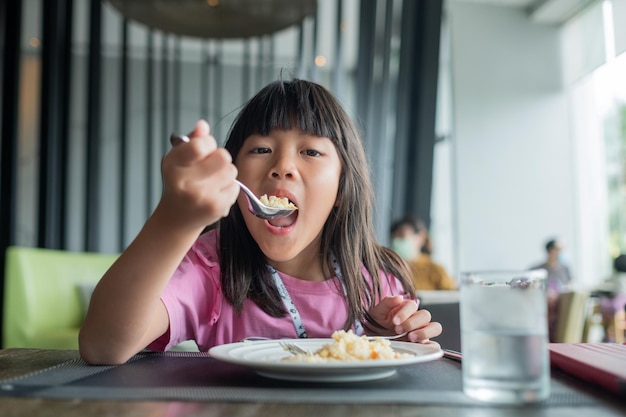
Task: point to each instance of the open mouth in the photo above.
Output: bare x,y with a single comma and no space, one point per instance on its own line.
285,221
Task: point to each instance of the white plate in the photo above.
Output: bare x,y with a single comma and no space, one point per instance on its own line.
265,357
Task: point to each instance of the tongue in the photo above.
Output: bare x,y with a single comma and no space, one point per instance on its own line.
284,221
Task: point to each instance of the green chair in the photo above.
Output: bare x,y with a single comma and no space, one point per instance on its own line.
46,294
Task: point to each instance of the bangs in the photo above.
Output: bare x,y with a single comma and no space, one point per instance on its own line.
286,105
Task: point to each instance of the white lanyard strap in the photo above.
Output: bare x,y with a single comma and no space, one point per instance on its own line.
288,302
358,327
293,310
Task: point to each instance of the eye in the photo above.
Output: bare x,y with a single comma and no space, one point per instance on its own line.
260,150
311,152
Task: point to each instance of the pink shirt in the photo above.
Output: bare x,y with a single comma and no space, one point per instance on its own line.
198,310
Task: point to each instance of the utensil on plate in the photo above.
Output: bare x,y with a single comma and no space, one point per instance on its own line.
294,349
393,337
254,204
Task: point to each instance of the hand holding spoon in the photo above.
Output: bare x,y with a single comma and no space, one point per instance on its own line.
254,204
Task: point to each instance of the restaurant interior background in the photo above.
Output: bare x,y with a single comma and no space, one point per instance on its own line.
501,122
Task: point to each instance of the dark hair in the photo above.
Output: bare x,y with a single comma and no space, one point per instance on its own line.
620,263
348,232
408,220
551,244
418,226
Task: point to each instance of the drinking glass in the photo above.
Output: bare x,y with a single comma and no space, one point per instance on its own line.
504,336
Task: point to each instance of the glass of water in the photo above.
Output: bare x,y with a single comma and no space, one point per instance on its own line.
504,336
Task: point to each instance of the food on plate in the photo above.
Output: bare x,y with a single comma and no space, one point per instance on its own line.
347,346
277,202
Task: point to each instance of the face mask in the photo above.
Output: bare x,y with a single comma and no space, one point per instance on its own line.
563,258
403,247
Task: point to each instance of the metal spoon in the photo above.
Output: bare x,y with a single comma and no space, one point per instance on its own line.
254,204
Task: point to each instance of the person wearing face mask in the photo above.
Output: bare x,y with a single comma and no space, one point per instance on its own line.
410,239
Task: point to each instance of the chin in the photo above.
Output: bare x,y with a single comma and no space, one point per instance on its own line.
280,253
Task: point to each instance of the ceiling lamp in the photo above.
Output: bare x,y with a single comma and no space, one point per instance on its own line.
217,18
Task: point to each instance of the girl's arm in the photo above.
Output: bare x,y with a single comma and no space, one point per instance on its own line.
125,313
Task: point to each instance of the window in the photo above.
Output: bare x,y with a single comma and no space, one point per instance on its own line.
598,121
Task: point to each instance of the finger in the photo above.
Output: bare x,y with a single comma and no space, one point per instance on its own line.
390,303
218,174
201,128
191,150
194,151
413,319
403,311
231,194
425,333
431,343
218,166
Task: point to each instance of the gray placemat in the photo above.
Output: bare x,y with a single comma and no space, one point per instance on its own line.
194,376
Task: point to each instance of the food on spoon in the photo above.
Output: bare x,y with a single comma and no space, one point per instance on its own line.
277,202
347,346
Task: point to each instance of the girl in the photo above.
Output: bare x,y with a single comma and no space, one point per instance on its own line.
307,275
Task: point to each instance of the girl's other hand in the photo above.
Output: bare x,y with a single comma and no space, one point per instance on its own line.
198,180
399,315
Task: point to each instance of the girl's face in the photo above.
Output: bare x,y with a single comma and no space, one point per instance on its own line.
306,170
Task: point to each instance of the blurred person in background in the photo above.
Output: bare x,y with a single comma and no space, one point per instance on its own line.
410,239
559,277
557,281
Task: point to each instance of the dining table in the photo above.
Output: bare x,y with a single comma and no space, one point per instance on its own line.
50,382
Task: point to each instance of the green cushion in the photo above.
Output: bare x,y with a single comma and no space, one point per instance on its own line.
42,301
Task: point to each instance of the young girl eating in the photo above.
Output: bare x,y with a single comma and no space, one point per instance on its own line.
306,275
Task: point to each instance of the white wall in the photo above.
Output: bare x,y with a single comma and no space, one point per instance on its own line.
514,166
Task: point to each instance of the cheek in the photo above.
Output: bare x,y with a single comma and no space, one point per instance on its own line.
328,179
327,190
245,171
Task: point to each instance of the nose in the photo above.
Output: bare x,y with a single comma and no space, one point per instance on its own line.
284,166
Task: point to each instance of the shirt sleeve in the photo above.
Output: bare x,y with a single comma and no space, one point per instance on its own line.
192,297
